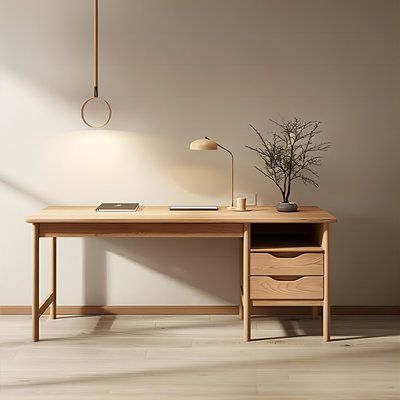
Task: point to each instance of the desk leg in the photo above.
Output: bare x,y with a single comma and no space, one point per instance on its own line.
241,288
246,283
53,305
35,285
326,304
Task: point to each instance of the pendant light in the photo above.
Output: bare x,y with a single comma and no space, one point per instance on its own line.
96,97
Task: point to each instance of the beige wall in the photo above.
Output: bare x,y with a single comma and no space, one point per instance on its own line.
175,70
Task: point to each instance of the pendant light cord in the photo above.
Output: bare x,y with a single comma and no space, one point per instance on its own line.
96,48
96,73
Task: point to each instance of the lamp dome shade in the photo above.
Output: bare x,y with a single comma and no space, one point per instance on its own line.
203,144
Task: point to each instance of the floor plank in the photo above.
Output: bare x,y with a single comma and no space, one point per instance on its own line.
199,357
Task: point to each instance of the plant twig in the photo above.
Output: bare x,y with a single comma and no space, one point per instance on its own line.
290,154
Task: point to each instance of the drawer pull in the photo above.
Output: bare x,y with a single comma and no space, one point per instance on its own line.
286,255
286,278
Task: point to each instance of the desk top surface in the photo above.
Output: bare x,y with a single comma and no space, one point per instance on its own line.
161,214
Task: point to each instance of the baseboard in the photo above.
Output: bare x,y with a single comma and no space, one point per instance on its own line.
200,310
127,310
366,310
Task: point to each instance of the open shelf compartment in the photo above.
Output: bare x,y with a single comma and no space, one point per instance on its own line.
286,237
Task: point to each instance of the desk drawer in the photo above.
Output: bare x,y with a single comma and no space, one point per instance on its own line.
303,287
286,264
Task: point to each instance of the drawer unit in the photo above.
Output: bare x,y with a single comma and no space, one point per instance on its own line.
286,288
286,263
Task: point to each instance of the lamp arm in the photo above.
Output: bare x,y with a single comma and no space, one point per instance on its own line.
232,169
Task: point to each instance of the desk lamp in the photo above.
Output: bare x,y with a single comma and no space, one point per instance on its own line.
208,144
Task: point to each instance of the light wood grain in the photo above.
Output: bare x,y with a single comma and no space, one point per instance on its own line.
241,289
35,284
220,230
287,303
81,221
199,357
53,274
284,246
286,264
305,288
326,306
46,304
154,214
246,283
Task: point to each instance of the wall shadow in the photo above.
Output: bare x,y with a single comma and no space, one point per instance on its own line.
94,274
206,264
20,189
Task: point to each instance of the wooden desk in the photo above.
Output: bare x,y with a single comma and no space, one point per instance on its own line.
285,255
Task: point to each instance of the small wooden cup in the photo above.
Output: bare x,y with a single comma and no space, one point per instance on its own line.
241,204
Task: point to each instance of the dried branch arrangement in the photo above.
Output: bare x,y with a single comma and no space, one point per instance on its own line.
291,154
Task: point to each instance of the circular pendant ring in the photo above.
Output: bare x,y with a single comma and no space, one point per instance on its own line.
109,113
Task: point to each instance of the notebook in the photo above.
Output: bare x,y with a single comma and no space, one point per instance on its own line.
115,207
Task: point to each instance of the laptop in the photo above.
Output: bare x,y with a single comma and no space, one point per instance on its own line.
193,208
116,207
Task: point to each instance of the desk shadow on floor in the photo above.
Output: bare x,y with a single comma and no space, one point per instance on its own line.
196,369
343,328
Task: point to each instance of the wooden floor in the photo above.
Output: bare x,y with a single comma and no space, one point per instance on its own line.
199,357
